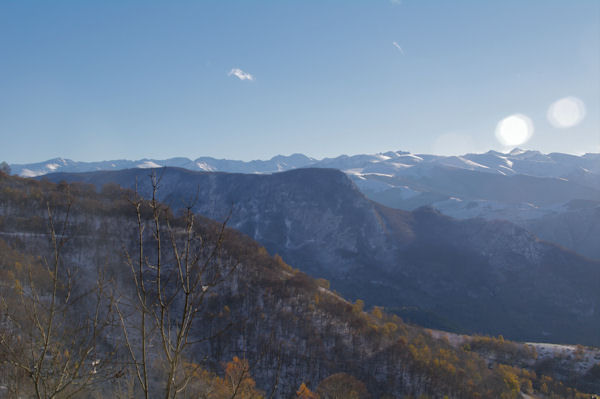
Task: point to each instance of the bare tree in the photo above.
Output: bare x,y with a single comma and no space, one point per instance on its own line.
53,344
172,276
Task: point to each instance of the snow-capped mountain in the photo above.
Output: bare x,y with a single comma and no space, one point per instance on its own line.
276,164
520,186
532,163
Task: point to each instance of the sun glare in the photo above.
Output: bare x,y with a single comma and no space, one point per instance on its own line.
566,112
514,130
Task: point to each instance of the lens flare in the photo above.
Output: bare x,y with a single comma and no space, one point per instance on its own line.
566,112
514,130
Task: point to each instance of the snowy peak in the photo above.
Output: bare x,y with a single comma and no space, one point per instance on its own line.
396,163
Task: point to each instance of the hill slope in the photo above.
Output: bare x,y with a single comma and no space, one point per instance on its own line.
467,275
291,328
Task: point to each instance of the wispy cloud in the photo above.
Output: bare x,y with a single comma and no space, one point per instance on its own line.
398,47
241,75
396,2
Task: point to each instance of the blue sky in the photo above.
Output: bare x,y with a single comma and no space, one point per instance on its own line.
95,80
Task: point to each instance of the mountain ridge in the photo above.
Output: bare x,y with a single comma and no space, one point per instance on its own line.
292,329
491,161
319,221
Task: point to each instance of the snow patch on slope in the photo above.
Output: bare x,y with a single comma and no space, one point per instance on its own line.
205,166
471,163
148,165
31,173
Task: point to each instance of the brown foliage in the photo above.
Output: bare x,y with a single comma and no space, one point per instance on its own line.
342,386
304,393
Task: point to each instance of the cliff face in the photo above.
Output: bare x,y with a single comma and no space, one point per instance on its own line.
469,275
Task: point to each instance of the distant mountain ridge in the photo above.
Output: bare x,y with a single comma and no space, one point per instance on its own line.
518,161
532,189
276,164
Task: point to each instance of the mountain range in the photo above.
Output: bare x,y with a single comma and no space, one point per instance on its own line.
280,327
529,188
472,275
584,169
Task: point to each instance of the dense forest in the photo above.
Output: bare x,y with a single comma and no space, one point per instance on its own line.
106,294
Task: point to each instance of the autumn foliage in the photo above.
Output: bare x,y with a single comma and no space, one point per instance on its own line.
334,346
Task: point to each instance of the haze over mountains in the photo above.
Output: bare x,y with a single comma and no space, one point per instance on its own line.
471,275
381,231
517,161
540,192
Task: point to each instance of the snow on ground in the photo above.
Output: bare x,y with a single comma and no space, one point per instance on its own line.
418,158
31,173
353,172
471,163
205,166
333,294
508,161
148,165
399,165
586,356
377,174
454,339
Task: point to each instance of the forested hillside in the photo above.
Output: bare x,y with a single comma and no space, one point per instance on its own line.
473,276
107,294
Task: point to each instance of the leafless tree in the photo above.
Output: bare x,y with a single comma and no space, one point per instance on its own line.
173,271
53,344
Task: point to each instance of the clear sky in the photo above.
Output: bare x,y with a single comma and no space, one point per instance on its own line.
97,80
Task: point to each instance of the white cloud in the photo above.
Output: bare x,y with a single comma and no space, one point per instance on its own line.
241,75
398,47
396,2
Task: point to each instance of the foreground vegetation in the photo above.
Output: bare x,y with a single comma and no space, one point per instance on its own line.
106,294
